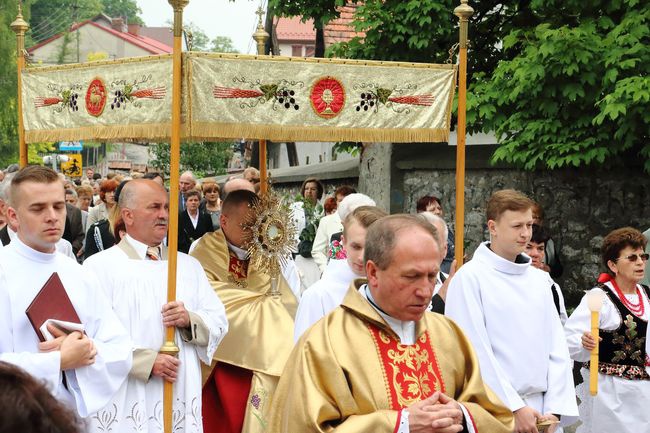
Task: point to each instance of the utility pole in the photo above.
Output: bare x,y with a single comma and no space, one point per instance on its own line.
75,14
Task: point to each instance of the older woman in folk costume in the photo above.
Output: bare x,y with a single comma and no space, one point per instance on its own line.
621,404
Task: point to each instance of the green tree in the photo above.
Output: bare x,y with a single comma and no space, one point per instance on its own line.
222,44
199,40
576,91
123,8
8,92
560,82
51,17
203,158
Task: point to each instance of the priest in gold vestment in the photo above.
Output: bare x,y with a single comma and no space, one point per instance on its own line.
250,359
380,362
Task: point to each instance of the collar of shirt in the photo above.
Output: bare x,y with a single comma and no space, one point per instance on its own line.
138,246
404,330
194,219
485,255
30,253
239,252
12,234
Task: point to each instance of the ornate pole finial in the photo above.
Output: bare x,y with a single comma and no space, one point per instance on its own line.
178,6
463,12
20,27
260,36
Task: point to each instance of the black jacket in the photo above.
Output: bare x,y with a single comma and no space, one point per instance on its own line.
4,236
186,231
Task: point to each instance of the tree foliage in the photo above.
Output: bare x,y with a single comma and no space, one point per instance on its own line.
51,17
123,8
199,40
560,82
222,44
203,158
576,91
8,92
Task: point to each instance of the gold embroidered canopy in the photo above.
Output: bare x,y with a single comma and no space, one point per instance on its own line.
234,96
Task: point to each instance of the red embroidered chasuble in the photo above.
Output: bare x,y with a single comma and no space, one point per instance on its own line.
411,373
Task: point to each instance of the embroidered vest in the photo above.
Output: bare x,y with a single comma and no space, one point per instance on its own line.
622,350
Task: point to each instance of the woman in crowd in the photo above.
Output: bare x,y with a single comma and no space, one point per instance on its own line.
431,203
106,232
621,404
306,213
107,198
212,204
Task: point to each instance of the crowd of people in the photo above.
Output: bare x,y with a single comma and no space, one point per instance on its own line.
370,327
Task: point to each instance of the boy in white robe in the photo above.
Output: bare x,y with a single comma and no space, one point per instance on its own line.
133,274
328,292
94,363
505,307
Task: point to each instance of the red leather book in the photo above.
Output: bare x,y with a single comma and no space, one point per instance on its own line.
51,302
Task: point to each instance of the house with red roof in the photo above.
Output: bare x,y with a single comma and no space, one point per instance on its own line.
108,37
297,38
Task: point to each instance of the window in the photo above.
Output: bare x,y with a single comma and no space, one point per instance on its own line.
296,50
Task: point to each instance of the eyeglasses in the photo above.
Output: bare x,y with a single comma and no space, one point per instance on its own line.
634,257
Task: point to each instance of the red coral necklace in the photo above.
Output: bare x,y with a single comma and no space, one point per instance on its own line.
637,309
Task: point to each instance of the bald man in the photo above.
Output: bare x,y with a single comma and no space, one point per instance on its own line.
133,274
236,184
186,182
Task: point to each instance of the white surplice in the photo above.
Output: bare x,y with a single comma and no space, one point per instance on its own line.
507,311
621,405
23,271
323,296
137,290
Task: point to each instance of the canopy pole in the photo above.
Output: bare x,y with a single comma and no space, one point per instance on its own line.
261,36
20,27
463,12
170,347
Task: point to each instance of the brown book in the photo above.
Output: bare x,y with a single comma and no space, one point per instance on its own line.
51,302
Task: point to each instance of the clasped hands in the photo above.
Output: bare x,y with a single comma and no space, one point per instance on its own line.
166,366
436,414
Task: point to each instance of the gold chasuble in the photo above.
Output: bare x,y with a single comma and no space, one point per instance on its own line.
260,335
349,373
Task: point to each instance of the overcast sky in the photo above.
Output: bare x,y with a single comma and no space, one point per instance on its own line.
236,20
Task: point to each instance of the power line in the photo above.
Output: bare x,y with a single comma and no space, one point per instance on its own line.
46,21
53,26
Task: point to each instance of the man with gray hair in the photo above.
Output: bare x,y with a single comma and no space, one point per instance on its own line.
133,274
186,182
380,361
442,284
4,200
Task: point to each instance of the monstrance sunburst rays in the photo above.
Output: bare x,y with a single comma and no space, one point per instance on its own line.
270,235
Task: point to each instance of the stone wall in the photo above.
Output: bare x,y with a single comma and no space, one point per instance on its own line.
581,207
